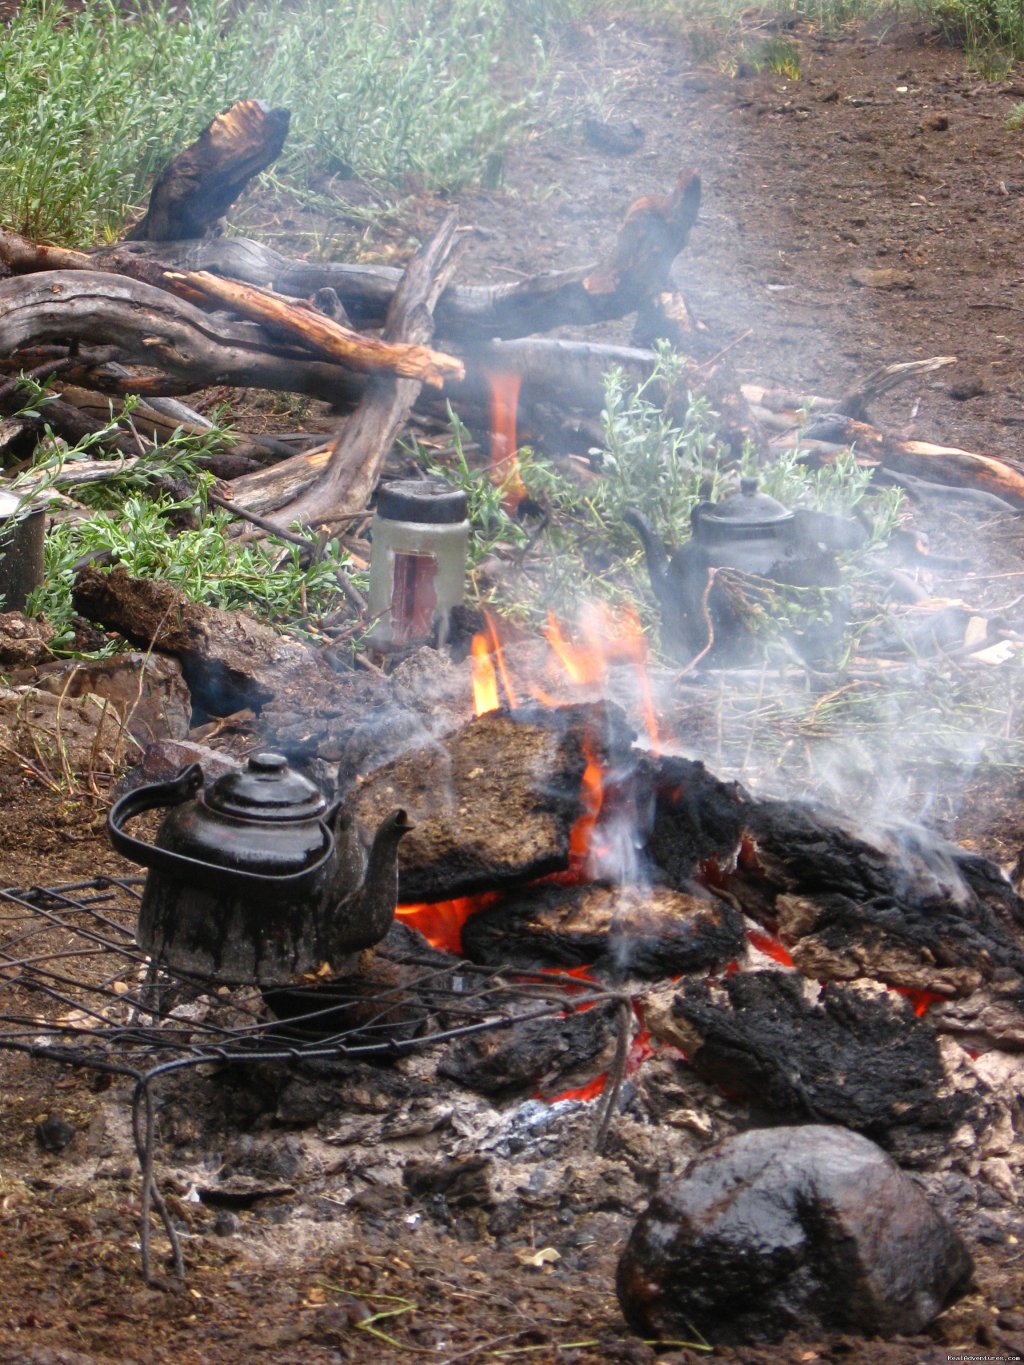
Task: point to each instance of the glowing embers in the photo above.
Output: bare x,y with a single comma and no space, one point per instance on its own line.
441,923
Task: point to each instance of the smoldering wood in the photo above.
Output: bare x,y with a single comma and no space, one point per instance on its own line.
493,803
857,1056
201,183
616,931
898,904
535,1055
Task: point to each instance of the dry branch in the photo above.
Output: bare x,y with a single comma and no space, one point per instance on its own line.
360,447
463,312
304,325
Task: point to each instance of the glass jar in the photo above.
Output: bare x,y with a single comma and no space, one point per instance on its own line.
418,560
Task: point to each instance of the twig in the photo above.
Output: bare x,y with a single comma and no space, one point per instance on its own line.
725,349
705,612
292,537
616,1075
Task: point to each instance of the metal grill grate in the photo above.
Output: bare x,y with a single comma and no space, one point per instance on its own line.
75,988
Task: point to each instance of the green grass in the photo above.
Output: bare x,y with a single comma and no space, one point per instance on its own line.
93,103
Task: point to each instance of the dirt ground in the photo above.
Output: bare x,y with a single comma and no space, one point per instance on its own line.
887,153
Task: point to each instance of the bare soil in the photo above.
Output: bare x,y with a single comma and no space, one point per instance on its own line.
887,153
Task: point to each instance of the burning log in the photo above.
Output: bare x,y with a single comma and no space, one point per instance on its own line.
539,1054
858,1057
202,182
495,804
643,931
901,906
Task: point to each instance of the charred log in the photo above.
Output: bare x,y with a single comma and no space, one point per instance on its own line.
616,931
858,1057
202,182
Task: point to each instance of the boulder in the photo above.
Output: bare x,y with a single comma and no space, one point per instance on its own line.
790,1230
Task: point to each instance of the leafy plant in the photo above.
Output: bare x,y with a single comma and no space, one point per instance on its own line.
388,89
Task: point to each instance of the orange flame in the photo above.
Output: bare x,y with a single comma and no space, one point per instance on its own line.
485,679
591,799
441,923
505,385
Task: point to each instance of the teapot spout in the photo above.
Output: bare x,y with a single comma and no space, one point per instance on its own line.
364,916
654,551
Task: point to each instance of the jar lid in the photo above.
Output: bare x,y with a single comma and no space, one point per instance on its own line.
266,789
424,500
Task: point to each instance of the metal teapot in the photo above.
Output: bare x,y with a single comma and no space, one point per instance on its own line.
752,533
255,879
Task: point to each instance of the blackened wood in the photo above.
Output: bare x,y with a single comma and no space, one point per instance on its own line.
857,1057
642,931
202,182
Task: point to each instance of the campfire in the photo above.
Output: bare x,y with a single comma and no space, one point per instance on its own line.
495,888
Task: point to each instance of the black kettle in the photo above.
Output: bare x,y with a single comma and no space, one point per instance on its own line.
255,879
751,533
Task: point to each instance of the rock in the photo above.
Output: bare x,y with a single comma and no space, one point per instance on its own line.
790,1230
167,757
148,690
881,278
24,640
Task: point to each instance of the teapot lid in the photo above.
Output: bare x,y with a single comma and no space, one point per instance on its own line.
266,789
747,509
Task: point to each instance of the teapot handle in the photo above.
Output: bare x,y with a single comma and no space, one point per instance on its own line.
209,876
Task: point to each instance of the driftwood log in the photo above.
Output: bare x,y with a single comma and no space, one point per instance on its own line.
463,312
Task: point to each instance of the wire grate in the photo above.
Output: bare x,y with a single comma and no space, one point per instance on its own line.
75,988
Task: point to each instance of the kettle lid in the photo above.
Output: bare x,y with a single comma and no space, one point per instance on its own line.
266,789
747,509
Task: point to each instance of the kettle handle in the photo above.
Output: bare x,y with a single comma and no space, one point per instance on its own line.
209,876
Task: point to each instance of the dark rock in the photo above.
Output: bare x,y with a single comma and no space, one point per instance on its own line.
790,1230
147,690
166,758
620,137
462,1182
857,1056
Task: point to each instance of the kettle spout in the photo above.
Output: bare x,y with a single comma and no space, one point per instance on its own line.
654,551
367,911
